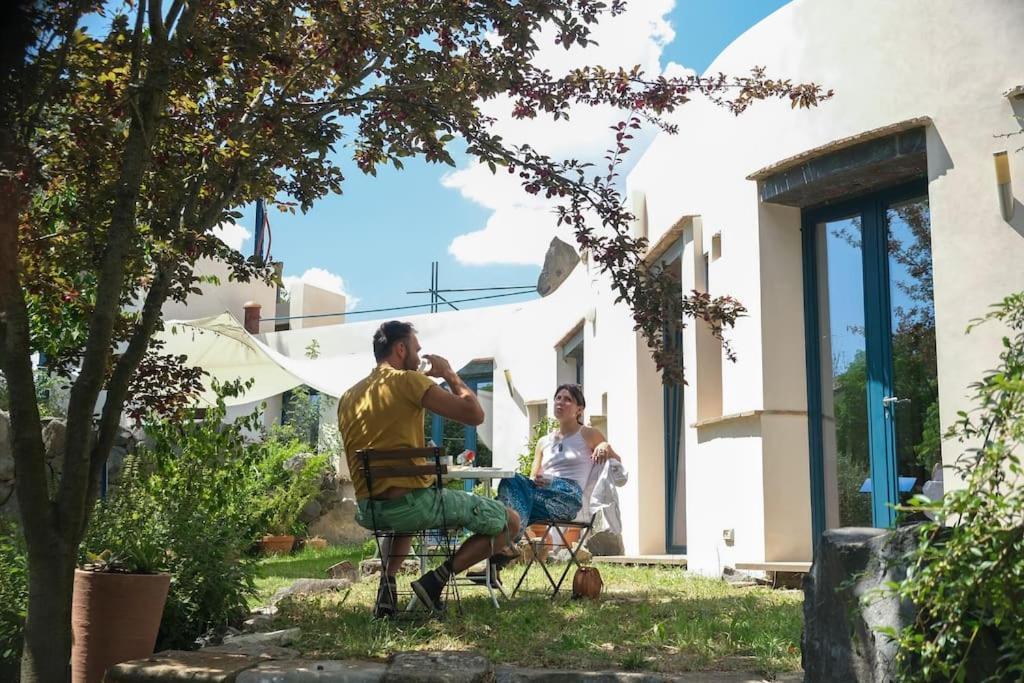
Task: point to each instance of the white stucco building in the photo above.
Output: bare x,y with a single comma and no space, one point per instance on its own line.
862,236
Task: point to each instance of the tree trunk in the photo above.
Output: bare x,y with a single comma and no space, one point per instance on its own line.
47,654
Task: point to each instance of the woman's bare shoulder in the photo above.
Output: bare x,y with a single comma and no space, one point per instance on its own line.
591,435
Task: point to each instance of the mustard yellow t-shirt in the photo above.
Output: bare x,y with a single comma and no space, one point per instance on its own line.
384,411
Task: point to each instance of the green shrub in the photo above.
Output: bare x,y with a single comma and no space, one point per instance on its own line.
13,597
966,577
202,492
284,492
539,431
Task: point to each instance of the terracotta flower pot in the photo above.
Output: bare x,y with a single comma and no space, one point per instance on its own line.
316,543
115,618
277,545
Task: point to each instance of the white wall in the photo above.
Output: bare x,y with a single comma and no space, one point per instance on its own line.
307,299
227,296
887,62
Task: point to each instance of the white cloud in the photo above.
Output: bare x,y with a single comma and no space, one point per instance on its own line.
521,225
324,279
231,234
513,235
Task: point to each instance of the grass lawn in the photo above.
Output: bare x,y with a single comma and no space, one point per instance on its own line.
649,618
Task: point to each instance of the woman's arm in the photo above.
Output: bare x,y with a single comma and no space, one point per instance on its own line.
599,446
538,457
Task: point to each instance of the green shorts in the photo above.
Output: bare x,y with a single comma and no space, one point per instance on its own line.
433,509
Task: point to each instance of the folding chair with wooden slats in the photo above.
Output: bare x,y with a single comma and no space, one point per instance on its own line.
558,526
434,544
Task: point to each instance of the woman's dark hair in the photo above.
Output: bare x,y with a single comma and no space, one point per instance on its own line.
389,334
576,391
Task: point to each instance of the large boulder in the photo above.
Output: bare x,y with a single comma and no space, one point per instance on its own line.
337,523
559,261
54,437
606,543
844,608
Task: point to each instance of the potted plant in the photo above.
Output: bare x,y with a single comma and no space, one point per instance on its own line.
281,522
120,592
289,484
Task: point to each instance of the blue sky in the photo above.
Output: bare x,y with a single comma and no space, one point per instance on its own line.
380,236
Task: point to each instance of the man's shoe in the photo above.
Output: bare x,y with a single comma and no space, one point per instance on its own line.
428,589
387,599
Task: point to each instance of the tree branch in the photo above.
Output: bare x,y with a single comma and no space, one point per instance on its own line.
137,155
117,387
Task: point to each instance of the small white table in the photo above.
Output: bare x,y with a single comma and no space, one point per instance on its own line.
470,472
488,474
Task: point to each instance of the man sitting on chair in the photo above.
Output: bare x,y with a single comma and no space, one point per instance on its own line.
384,411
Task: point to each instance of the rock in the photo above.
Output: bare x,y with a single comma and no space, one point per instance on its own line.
308,587
172,665
840,641
438,667
345,570
310,512
54,437
297,462
282,637
535,549
605,543
338,524
372,566
266,610
257,623
559,261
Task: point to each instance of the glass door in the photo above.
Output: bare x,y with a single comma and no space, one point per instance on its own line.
872,381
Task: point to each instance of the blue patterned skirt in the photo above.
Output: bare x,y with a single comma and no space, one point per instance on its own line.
561,499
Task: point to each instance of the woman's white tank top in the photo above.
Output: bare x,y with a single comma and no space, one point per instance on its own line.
568,458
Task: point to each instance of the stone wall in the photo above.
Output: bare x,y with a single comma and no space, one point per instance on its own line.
53,442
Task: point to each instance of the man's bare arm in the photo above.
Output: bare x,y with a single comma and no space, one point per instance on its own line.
459,404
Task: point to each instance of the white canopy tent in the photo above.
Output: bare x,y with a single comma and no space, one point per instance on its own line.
221,346
280,361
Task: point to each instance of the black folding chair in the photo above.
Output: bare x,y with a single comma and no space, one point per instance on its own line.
437,544
558,526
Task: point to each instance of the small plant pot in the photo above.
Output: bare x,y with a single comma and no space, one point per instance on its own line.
277,545
316,543
115,618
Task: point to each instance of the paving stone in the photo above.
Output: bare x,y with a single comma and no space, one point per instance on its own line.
314,671
438,667
513,674
174,665
259,650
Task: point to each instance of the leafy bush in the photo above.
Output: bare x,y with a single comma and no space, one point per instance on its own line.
286,490
202,492
966,577
13,597
539,431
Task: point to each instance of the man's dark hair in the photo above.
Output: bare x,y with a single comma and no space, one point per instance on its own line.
389,334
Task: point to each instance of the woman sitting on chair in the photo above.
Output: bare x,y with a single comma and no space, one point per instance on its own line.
562,465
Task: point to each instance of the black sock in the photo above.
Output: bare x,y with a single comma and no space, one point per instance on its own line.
445,571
